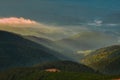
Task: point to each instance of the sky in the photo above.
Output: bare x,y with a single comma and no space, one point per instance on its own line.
60,12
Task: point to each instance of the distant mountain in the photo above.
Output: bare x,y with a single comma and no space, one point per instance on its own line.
88,40
15,51
85,41
44,41
106,60
51,45
64,48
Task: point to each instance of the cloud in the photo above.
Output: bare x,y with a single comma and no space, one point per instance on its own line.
98,22
101,23
30,27
14,21
84,52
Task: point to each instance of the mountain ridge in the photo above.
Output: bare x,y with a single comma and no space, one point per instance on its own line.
17,51
105,60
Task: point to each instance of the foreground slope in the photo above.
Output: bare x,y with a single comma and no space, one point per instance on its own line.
17,51
68,66
38,75
106,60
68,71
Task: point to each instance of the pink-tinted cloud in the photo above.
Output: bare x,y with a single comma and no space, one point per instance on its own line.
16,21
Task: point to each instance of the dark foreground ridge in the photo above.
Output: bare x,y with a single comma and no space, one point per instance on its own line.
16,51
66,70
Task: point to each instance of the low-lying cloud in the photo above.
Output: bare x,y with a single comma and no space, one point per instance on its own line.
85,52
101,23
14,21
30,27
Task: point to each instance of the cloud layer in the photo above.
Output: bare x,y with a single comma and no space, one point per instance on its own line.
101,23
14,21
30,27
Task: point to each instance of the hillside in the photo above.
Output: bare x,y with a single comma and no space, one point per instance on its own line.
68,71
38,74
84,41
51,45
105,60
68,66
16,51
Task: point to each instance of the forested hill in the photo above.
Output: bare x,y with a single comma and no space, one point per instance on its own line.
16,51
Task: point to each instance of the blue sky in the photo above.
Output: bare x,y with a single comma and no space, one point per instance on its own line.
63,12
